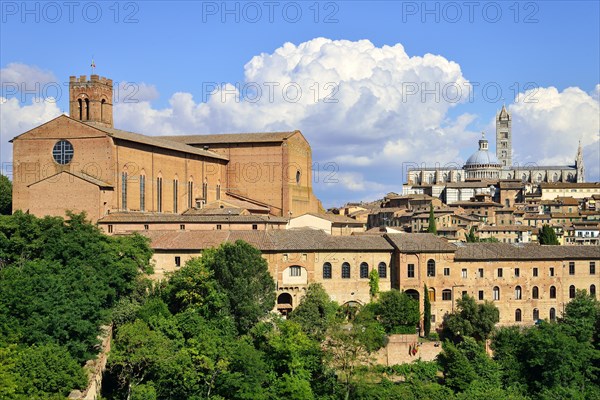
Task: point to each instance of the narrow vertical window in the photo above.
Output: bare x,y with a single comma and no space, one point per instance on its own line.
552,314
175,194
218,191
124,190
535,293
190,194
159,194
518,315
496,292
205,191
142,192
87,109
80,102
572,291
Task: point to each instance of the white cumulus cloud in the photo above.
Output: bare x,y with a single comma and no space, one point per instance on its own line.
548,125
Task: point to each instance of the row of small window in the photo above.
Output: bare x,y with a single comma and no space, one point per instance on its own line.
536,314
346,270
535,293
517,271
159,193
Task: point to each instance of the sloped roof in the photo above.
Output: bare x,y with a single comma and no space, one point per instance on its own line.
419,242
141,217
275,240
262,137
530,251
157,141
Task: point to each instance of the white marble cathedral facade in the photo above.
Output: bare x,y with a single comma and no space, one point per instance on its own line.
483,168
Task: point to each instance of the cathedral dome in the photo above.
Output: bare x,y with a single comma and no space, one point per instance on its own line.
482,157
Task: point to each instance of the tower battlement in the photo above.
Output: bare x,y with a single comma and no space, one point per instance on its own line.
91,100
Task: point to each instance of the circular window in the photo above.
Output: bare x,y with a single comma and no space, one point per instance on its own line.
62,152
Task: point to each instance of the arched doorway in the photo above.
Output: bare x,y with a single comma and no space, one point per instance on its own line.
413,294
284,303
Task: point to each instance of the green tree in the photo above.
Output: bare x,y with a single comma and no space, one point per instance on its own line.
5,195
46,370
368,330
194,286
431,228
470,319
243,276
470,237
398,312
373,284
466,363
547,235
316,311
426,312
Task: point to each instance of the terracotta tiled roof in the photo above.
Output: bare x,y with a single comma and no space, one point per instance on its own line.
157,141
140,217
276,240
263,137
532,251
420,242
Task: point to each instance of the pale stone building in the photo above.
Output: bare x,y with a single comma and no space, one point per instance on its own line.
483,169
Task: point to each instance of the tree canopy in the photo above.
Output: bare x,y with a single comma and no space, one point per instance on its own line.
5,195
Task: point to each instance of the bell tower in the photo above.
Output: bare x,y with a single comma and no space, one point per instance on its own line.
91,101
504,138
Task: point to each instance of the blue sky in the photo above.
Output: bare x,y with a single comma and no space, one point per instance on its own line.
184,47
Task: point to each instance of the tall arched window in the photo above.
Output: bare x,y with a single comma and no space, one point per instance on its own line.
159,194
496,293
518,293
382,270
87,109
518,315
327,271
431,267
345,271
102,105
552,314
364,270
80,103
593,290
552,292
175,194
535,293
190,192
124,190
572,291
142,192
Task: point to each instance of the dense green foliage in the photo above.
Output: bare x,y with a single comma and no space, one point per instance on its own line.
470,319
5,195
398,312
242,277
59,281
431,227
547,235
316,312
